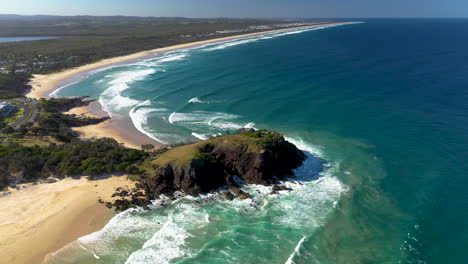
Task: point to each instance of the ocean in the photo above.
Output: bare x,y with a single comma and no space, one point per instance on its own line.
379,107
20,39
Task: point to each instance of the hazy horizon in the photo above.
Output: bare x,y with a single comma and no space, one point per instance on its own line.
233,17
241,8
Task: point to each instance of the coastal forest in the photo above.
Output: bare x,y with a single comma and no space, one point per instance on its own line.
46,145
49,147
84,39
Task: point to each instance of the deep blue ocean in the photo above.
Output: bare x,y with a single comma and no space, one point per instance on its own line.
383,103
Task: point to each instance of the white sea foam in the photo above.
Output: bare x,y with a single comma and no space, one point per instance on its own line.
305,146
169,242
112,99
200,117
203,123
221,124
94,254
232,43
296,251
320,193
195,100
200,136
225,125
139,116
250,125
165,245
164,232
56,91
173,57
163,60
307,205
104,69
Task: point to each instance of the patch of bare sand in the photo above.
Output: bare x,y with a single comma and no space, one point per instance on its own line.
40,219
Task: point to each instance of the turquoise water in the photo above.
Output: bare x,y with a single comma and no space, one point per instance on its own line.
18,39
379,107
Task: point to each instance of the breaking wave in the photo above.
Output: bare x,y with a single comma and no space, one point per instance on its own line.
208,228
112,99
56,92
200,117
296,251
228,44
195,100
139,116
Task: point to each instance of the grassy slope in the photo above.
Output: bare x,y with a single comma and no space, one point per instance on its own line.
180,156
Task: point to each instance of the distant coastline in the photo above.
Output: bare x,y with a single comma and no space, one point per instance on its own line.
44,85
92,215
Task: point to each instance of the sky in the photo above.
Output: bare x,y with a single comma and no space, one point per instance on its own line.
241,8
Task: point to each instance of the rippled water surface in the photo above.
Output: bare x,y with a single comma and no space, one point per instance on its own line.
379,107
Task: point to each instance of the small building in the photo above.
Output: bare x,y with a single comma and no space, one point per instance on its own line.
6,109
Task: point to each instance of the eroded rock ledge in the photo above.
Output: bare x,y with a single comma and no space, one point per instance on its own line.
259,157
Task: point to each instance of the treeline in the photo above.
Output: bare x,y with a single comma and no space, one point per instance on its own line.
116,25
63,104
87,39
58,125
12,86
105,155
53,122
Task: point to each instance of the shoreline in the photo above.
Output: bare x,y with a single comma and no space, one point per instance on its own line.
44,85
116,128
56,215
119,129
69,209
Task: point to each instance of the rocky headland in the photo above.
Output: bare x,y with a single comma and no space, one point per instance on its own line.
257,157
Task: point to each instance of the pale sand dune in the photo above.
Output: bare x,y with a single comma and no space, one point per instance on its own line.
105,129
41,219
81,111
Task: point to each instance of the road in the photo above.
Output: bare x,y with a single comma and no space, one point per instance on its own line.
30,111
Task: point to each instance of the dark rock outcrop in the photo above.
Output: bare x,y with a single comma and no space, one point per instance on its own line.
228,195
277,188
258,157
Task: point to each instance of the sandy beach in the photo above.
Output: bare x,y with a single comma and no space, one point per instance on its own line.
109,129
44,85
40,219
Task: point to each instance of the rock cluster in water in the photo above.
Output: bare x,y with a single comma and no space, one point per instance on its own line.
258,157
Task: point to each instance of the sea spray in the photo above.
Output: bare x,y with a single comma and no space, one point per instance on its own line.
179,230
112,99
327,90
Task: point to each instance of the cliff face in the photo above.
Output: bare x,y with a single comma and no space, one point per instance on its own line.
258,157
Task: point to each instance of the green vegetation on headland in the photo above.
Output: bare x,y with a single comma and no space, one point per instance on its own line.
48,147
260,157
42,144
25,164
14,85
50,121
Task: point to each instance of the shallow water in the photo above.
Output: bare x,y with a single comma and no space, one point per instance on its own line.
381,109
